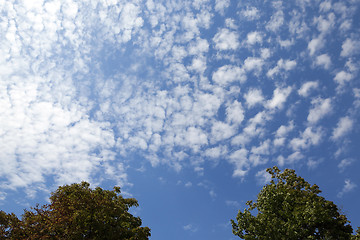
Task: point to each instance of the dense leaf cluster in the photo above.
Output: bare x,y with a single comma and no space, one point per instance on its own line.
77,212
291,208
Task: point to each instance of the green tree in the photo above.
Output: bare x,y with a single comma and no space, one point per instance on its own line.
9,224
290,208
357,236
78,212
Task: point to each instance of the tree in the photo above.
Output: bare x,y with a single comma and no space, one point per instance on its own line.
291,208
357,236
78,212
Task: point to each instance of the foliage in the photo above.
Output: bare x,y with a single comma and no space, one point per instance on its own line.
77,212
291,208
357,236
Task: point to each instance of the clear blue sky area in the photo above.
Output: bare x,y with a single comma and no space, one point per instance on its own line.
183,104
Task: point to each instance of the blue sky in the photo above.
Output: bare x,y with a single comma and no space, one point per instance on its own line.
183,104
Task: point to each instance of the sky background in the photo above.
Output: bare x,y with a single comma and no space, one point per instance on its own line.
183,104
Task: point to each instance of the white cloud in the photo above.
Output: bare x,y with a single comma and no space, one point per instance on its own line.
234,113
321,108
240,139
279,97
3,196
254,37
276,21
212,194
262,149
286,65
282,133
221,5
315,45
70,88
253,97
253,63
312,164
294,157
305,89
193,137
129,20
323,60
263,177
230,23
250,13
325,6
325,25
280,160
343,127
188,184
342,77
216,152
348,187
221,131
345,163
284,130
345,25
265,53
254,126
308,138
298,26
198,65
285,43
240,162
199,46
190,228
232,203
226,40
350,47
228,74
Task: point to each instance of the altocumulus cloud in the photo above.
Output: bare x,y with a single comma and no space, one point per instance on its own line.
86,85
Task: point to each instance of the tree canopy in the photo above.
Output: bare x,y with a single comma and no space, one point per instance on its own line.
77,212
291,208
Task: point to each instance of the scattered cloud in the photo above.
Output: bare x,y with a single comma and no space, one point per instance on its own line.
253,64
226,40
263,177
190,228
87,88
188,184
345,163
323,60
279,97
315,45
282,133
313,164
342,77
344,126
240,161
282,65
228,74
231,203
276,21
321,108
348,187
250,13
253,96
254,37
308,138
350,47
221,5
305,89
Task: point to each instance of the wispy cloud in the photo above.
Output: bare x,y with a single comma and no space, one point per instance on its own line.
348,187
